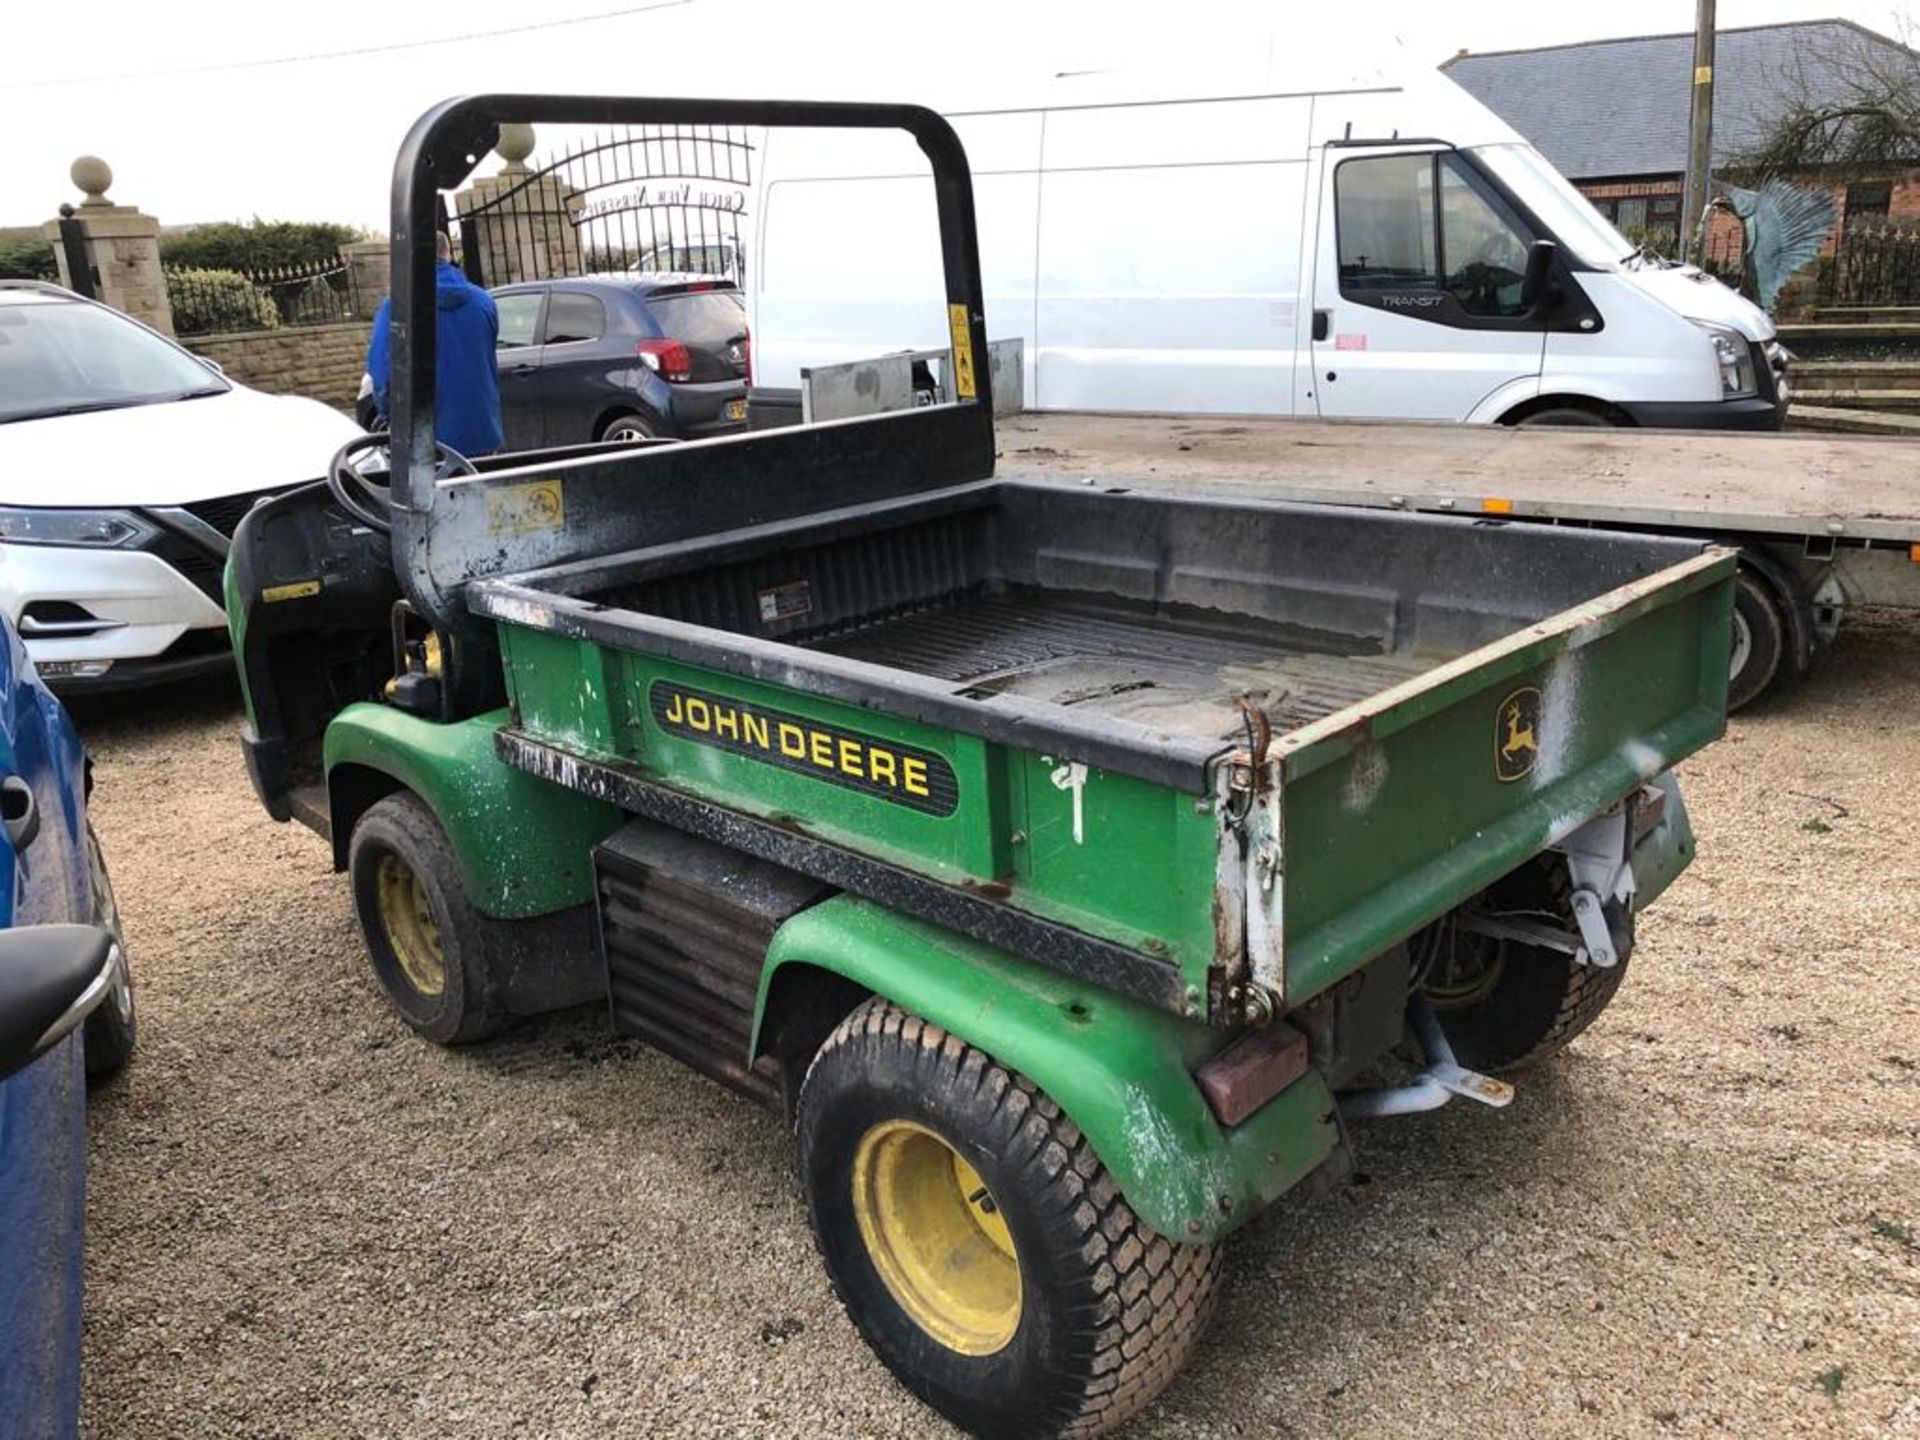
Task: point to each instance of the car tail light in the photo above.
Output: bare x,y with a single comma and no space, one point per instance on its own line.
666,358
746,364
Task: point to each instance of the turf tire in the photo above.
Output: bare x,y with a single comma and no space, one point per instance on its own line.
467,1007
1109,1309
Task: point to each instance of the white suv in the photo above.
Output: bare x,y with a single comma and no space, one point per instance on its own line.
125,464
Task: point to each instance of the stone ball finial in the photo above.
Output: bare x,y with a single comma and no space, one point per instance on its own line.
515,145
92,175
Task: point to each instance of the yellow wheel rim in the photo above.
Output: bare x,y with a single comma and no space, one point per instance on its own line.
408,921
937,1237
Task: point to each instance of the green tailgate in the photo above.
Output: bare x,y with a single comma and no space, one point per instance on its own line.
1396,810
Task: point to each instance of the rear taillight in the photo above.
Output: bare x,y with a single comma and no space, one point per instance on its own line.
746,364
666,358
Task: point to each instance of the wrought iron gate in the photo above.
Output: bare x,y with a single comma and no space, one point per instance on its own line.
73,248
641,199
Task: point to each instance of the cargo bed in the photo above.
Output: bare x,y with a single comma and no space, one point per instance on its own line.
1129,661
1069,676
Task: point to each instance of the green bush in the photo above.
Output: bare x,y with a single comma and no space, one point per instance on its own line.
257,245
209,301
27,259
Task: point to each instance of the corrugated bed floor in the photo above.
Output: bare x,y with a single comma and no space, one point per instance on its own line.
1179,678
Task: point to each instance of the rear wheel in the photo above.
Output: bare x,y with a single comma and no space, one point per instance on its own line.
1504,1004
978,1243
429,946
627,428
110,1029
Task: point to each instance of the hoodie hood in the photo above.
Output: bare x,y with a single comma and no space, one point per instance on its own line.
452,289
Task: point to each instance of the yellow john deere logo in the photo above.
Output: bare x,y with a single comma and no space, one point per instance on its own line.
1516,735
902,774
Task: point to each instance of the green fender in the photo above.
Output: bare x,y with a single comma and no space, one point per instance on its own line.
1121,1071
524,844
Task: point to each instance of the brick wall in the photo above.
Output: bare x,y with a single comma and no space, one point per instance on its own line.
321,361
1905,200
1619,189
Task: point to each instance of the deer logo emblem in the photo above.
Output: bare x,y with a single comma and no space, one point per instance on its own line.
1516,735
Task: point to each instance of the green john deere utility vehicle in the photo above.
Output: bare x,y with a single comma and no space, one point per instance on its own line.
1071,867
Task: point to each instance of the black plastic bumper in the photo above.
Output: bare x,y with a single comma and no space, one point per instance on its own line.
701,410
267,769
1753,413
139,674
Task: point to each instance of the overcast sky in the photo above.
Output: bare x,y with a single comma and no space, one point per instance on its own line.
204,113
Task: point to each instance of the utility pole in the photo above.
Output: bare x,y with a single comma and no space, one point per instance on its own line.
1699,137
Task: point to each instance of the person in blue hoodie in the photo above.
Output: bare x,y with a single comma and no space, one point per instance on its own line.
466,388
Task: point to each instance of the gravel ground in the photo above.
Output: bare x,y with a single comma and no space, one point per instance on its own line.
1704,1219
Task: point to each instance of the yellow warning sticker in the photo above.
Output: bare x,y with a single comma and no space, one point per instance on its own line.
299,590
962,326
525,509
1703,74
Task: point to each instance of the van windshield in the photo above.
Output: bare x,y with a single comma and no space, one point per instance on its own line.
1561,208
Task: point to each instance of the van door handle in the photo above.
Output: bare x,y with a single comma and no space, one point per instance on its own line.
19,814
522,369
1322,324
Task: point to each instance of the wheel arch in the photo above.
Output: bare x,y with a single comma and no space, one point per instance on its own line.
1120,1071
352,790
628,405
524,845
1562,400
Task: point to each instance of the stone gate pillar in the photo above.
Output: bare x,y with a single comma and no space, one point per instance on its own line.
521,220
369,274
123,248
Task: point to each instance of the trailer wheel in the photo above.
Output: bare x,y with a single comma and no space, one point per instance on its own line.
978,1243
1759,639
428,944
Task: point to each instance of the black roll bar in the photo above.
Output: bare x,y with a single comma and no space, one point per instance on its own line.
448,142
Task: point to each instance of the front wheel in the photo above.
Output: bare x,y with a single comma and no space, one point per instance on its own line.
978,1243
429,946
1565,416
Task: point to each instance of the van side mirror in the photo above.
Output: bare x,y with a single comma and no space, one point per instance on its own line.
51,978
1536,283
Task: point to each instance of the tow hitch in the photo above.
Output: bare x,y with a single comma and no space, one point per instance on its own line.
1439,1081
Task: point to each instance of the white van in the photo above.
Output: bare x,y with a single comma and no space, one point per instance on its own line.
1385,251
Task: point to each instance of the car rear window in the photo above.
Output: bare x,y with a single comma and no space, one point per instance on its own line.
700,317
573,316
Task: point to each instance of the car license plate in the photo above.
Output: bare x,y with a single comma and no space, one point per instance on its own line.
736,410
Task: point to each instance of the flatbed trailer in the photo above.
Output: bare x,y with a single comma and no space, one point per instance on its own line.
1073,865
1824,524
